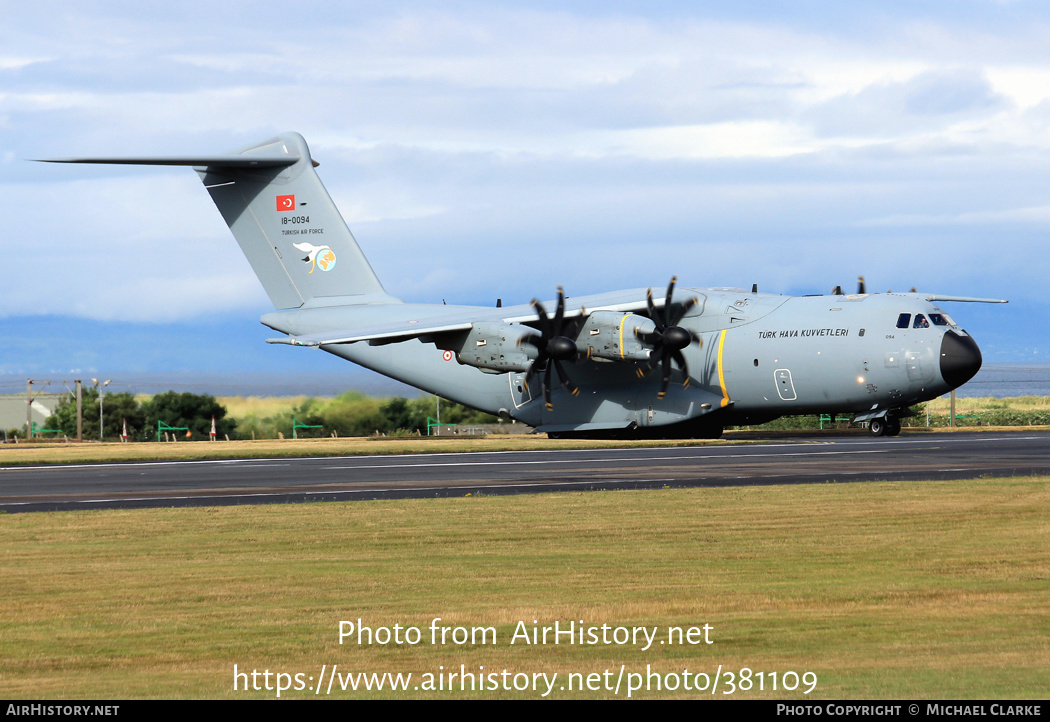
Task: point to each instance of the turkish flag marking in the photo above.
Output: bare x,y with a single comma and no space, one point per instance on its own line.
286,203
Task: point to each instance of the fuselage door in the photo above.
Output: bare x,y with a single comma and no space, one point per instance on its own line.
914,363
518,393
785,387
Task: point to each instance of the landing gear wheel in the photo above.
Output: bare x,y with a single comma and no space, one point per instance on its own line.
893,427
877,427
712,431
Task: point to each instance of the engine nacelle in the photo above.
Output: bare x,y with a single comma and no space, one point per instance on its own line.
613,335
495,348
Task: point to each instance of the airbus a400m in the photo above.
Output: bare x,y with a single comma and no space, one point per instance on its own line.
685,362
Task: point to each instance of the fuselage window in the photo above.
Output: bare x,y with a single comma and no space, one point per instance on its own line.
903,320
920,321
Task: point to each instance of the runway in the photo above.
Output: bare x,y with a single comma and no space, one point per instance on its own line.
286,480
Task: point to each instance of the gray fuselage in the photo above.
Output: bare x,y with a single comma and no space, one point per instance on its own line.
757,357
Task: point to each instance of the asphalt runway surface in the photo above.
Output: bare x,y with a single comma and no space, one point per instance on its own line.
912,457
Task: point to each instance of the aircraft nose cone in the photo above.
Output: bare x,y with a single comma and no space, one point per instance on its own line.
960,359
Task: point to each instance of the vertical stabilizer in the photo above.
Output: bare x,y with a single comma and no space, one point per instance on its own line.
289,228
284,220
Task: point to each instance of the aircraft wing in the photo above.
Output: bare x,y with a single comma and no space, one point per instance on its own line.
629,301
418,321
965,299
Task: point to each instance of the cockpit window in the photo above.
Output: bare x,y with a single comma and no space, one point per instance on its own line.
903,320
941,319
920,321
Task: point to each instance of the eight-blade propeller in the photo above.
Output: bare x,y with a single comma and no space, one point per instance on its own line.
553,346
669,338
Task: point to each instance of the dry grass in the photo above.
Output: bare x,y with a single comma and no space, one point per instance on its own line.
942,405
884,590
240,407
59,453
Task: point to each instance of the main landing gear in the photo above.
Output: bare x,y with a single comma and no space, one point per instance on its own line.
885,426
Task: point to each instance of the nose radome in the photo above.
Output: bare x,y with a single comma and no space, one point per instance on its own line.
960,359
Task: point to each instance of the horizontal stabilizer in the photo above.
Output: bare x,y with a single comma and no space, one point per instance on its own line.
282,217
211,161
389,333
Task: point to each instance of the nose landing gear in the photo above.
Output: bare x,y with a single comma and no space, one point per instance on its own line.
885,426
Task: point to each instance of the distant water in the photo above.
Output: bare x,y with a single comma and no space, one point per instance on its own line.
998,380
263,383
1002,380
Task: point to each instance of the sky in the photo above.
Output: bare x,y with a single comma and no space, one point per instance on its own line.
483,150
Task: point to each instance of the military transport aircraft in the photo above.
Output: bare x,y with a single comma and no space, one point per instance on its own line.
683,363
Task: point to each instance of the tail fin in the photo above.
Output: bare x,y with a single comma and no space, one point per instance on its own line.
285,222
289,228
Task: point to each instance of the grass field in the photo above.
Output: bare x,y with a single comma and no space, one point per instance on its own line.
882,590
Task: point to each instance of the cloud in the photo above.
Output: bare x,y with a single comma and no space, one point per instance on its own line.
932,101
496,151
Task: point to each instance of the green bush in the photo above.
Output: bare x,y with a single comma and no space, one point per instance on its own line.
194,411
354,414
117,407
